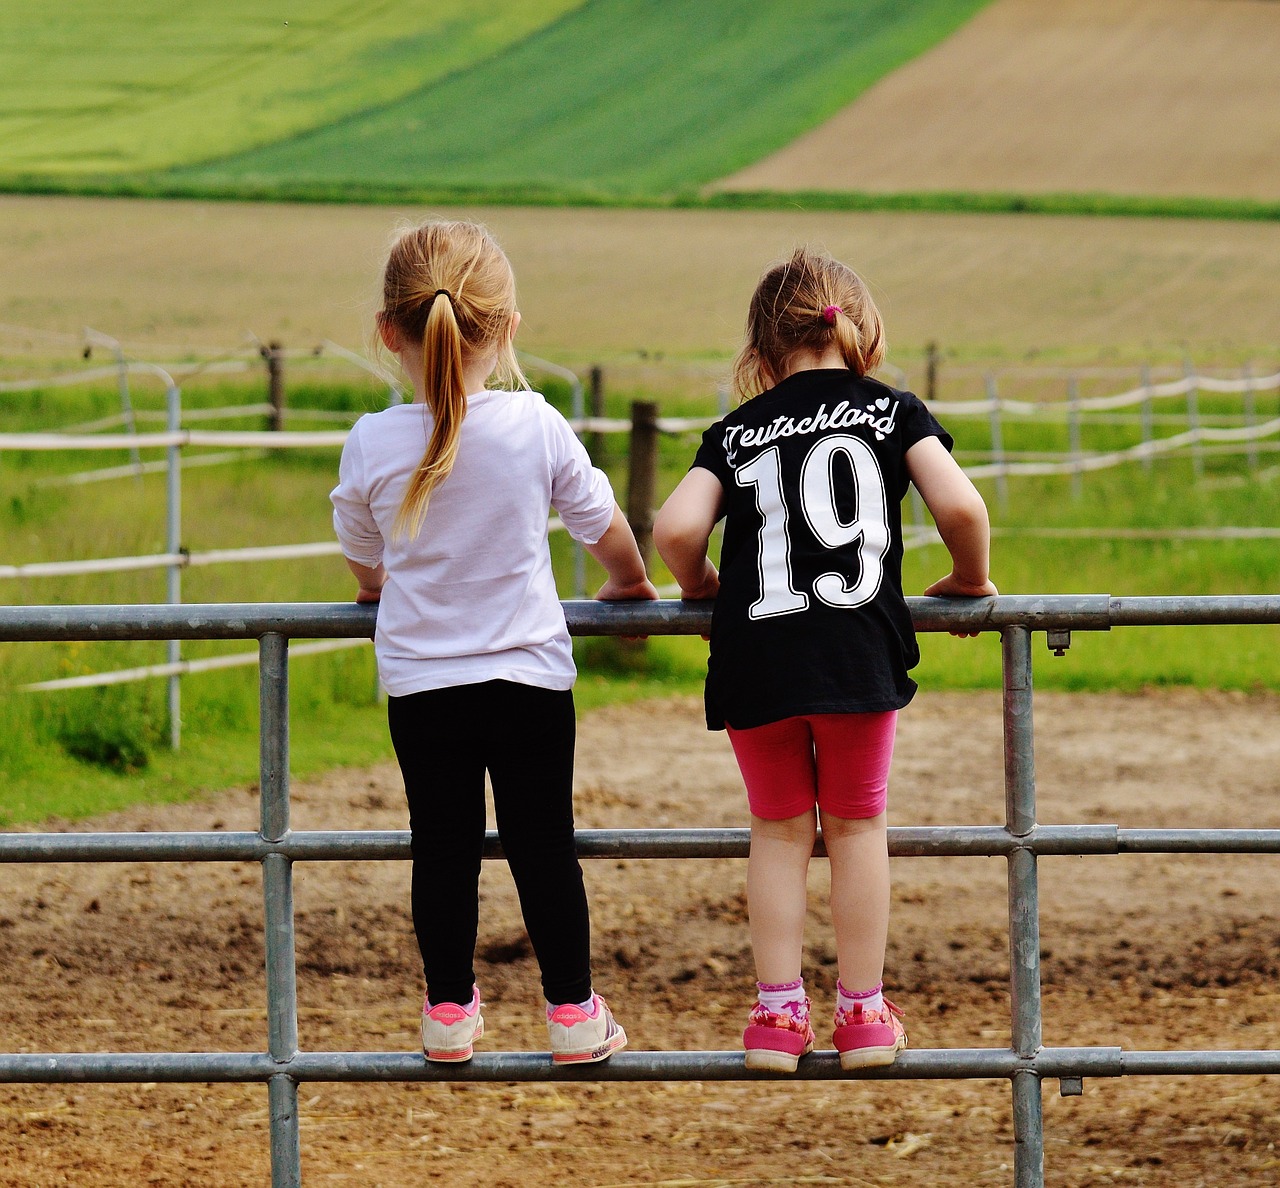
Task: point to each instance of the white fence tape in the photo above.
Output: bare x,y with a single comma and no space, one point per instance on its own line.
183,667
1202,383
1145,449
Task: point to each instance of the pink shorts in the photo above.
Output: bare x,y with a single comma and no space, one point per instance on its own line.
840,762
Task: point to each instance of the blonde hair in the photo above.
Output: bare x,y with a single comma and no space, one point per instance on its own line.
807,302
448,286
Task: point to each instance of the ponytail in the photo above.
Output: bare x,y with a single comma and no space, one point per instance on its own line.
861,343
447,402
449,286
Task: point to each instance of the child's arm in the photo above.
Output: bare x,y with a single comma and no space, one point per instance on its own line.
617,551
961,517
682,532
371,580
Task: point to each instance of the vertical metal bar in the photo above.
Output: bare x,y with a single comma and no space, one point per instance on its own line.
917,509
126,407
1148,419
1250,414
1024,902
1028,1131
1073,431
577,410
1193,419
286,1145
277,893
173,546
997,441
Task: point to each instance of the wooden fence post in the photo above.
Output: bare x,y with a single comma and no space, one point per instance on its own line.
595,410
273,353
642,479
931,372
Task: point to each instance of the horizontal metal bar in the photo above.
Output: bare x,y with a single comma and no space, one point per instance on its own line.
133,847
1194,610
915,1065
134,1067
338,620
1242,1063
1078,612
925,1064
1199,841
912,841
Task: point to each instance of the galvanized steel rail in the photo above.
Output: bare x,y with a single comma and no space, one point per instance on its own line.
1026,1063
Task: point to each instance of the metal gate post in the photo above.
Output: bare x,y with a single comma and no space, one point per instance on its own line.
277,892
1024,904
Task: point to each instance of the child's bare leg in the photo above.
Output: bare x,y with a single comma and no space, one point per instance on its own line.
777,885
859,854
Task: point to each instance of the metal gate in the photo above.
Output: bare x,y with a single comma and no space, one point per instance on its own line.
1025,1062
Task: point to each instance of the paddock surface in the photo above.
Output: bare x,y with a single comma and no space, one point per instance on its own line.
1145,952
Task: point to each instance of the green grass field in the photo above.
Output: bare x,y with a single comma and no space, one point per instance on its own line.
92,89
621,96
635,97
75,753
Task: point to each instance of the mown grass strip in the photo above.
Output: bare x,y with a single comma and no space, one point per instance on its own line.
165,186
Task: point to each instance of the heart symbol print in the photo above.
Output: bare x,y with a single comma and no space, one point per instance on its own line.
882,403
879,435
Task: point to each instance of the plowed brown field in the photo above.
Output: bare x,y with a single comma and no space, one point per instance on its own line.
1172,97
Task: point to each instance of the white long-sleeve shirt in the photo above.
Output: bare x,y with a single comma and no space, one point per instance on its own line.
472,598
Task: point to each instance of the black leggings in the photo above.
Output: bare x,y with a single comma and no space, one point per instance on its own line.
445,741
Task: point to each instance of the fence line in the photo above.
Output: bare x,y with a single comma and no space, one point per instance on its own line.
1135,396
1025,1062
1147,449
1201,440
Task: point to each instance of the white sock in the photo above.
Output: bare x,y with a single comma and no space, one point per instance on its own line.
784,998
869,1000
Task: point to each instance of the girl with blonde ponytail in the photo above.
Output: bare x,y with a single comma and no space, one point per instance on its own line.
442,509
811,639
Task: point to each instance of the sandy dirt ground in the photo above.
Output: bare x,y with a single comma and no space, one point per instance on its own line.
1071,96
1144,952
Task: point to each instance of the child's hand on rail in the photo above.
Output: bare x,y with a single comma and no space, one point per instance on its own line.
634,591
952,586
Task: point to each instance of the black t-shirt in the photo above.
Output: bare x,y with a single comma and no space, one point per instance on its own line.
811,618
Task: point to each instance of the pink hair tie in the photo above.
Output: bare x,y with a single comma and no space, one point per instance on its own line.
829,312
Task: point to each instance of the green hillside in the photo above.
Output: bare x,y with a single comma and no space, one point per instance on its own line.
88,88
630,96
614,97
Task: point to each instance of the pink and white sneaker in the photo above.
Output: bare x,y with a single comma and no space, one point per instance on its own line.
774,1041
869,1039
581,1038
450,1030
